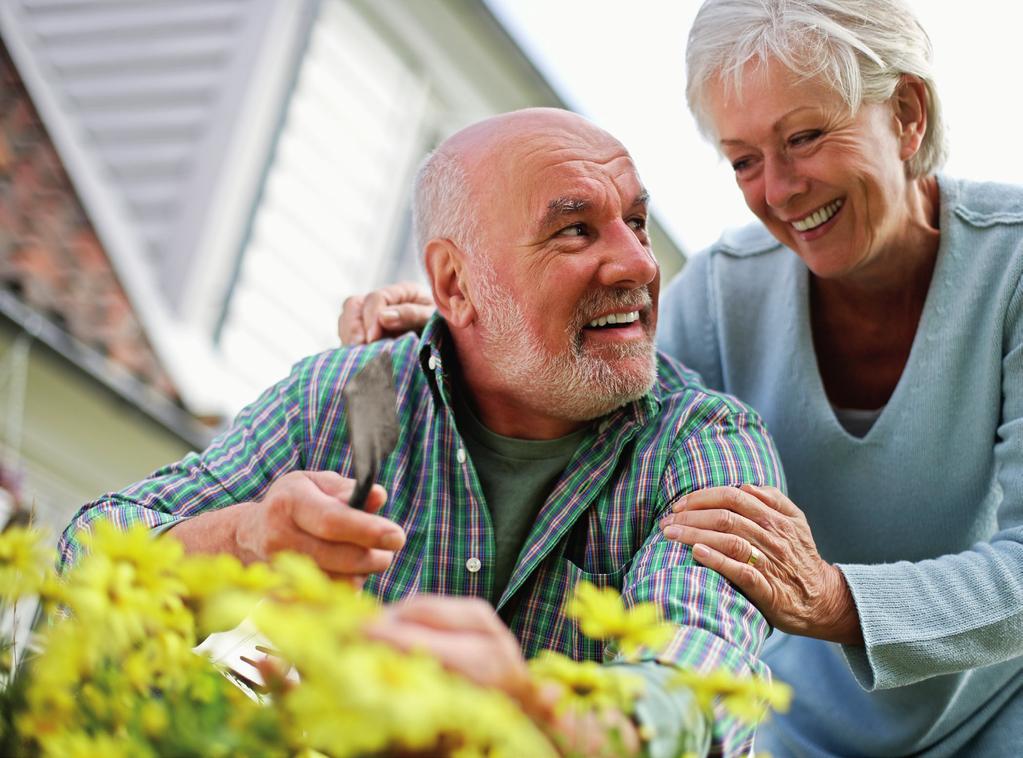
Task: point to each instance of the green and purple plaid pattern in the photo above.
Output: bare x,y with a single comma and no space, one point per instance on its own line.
599,524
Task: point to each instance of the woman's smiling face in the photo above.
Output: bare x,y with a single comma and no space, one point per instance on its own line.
829,184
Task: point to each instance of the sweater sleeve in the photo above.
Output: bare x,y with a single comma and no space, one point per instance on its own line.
961,611
685,329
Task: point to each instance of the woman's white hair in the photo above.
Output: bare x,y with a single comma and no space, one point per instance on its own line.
442,205
861,48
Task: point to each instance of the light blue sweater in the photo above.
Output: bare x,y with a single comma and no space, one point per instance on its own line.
924,515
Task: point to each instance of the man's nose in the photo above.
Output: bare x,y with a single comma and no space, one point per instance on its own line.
628,262
782,181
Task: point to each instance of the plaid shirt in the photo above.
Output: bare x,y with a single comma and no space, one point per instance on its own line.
600,523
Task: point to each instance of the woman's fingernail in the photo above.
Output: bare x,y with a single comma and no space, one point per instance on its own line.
701,552
666,521
679,504
672,532
389,314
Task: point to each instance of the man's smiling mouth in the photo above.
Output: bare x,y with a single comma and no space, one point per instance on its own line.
614,319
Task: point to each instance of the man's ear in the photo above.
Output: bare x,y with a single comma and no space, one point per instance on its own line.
445,268
910,105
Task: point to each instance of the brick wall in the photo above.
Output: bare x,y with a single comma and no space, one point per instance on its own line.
50,256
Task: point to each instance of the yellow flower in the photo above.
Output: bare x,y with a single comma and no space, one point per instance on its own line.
747,698
603,615
23,562
587,685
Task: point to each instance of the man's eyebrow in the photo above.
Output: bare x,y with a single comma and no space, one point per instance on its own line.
566,206
562,206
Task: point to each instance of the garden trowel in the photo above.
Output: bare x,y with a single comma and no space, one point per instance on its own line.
372,422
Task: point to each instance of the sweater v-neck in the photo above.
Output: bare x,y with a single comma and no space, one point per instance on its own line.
929,316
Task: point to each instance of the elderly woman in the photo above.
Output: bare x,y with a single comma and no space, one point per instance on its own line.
874,317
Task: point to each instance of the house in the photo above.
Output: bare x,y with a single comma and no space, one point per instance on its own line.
188,191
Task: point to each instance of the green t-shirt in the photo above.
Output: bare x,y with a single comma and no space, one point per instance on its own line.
516,477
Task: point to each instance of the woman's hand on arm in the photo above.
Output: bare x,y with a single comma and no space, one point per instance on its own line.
387,312
760,541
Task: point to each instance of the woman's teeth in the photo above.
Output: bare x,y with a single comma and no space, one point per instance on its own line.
818,217
615,318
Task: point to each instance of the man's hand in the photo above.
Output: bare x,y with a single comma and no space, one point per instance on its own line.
307,512
468,638
387,312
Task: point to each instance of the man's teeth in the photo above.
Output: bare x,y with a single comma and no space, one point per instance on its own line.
818,217
615,318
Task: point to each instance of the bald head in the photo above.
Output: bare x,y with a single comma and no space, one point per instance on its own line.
464,172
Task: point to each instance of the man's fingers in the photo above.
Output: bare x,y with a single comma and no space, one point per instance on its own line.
331,483
410,636
341,487
349,324
342,559
327,518
462,614
375,499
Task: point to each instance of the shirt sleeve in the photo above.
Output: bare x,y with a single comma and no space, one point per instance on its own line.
961,611
265,441
717,627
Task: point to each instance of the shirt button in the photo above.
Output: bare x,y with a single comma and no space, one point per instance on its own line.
460,455
433,363
473,564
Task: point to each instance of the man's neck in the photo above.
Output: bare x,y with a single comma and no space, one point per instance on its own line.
502,410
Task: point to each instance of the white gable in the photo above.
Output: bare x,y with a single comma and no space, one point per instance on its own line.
333,204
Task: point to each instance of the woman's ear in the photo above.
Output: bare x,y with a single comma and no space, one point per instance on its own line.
445,269
909,102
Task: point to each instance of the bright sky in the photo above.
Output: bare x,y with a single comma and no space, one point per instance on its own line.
622,65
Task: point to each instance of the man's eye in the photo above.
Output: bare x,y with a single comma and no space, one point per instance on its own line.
638,223
575,230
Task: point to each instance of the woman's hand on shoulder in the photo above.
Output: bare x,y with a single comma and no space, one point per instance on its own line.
760,541
387,312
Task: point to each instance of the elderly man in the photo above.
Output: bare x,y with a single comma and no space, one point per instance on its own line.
541,437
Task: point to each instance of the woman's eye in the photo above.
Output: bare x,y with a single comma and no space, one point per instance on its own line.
575,230
740,165
804,137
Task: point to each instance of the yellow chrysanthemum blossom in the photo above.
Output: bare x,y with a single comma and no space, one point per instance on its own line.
603,615
22,558
118,675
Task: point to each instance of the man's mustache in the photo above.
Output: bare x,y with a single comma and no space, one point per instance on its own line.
599,302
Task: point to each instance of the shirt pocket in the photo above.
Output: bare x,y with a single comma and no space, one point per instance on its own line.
541,623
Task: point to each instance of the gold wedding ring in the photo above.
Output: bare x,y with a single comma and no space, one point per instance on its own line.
754,556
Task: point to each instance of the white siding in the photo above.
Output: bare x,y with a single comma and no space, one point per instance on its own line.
333,205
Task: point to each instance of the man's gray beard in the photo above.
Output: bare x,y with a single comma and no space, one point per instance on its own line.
571,384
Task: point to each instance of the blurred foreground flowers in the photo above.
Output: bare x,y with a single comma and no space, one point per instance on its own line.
114,672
